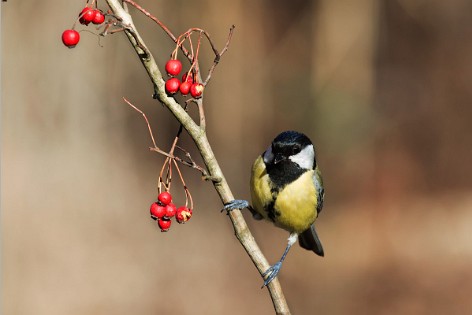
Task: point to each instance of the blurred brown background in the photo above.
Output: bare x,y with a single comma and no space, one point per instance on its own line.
383,88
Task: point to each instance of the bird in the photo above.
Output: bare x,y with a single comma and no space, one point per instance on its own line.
287,190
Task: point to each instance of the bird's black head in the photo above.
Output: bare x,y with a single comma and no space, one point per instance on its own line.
291,147
289,156
290,143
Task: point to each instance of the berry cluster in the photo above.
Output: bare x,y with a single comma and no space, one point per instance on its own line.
188,83
88,15
163,210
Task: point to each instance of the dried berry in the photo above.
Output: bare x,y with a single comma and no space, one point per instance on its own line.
183,214
196,90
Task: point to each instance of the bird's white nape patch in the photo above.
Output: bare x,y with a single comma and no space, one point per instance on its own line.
305,158
268,155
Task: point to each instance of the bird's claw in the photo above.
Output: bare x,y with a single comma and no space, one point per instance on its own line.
235,204
271,273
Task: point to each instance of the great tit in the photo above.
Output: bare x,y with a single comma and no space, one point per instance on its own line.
287,189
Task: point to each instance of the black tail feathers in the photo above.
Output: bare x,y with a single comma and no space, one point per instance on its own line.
309,240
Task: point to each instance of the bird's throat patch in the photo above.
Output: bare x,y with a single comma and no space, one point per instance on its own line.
283,173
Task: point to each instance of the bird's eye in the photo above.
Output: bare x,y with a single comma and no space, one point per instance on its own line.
296,149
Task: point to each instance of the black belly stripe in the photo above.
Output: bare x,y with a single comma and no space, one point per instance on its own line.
280,175
272,213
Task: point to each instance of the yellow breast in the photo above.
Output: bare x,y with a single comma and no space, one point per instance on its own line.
260,189
294,206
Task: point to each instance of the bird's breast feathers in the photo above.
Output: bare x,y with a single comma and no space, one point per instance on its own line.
292,207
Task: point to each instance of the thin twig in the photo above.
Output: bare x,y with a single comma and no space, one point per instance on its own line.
152,17
218,55
145,118
191,163
174,144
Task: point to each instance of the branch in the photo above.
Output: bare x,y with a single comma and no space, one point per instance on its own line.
152,17
197,133
190,163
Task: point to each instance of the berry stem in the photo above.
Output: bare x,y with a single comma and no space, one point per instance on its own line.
145,118
195,59
168,178
188,195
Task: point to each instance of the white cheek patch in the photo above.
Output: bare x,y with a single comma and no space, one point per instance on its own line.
268,155
305,159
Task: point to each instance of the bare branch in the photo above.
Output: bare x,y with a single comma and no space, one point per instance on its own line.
198,135
201,112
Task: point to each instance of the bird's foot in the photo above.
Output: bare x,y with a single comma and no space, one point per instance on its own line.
235,204
271,273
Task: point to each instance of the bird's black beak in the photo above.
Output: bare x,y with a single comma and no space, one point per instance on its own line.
279,158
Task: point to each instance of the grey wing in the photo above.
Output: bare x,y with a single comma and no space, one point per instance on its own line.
320,190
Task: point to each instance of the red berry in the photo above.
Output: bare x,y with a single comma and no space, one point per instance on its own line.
183,214
173,67
196,90
165,197
87,15
70,38
157,211
185,87
172,86
171,209
187,78
164,224
99,17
